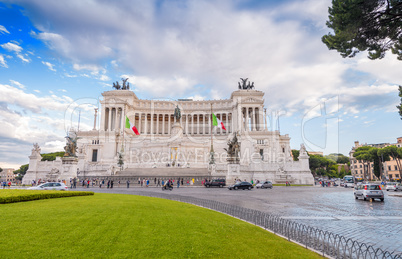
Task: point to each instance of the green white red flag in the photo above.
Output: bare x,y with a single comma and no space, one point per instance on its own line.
131,126
217,122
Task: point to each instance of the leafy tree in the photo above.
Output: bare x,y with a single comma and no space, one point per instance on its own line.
320,165
295,154
359,25
400,106
396,154
338,158
51,156
363,154
21,172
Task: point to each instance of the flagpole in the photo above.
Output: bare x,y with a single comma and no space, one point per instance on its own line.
212,160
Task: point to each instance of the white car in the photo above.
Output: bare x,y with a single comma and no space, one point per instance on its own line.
50,186
393,186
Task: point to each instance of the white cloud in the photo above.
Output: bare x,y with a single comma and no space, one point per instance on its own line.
11,47
49,65
104,78
18,84
36,91
3,30
213,44
159,87
23,58
3,61
68,75
15,96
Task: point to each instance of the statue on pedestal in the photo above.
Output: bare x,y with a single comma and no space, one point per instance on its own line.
71,146
177,113
233,150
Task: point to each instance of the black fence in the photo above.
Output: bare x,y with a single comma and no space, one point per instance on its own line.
324,242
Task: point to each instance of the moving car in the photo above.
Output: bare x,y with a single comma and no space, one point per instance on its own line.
393,186
264,185
368,191
216,182
241,185
50,186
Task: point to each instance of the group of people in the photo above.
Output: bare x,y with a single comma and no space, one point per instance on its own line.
5,184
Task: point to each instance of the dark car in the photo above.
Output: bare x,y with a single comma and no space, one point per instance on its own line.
241,185
216,182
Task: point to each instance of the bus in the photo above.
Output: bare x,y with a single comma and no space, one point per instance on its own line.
349,181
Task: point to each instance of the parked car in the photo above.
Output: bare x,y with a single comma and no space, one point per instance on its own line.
50,186
369,191
241,185
393,186
216,182
264,185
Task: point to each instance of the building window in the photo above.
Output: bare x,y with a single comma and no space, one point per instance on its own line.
389,168
396,168
94,155
360,166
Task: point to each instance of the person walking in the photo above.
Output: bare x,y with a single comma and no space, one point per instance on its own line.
159,182
128,183
111,184
108,184
178,184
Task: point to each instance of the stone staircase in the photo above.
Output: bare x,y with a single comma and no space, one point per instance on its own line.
163,172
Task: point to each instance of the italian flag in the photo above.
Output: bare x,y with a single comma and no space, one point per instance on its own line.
217,122
131,126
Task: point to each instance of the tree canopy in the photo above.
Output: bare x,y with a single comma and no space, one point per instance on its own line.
21,172
338,158
359,25
400,105
51,156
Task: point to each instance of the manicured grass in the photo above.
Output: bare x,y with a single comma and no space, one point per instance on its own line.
18,195
128,226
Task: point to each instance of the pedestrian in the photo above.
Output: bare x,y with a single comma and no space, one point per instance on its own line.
159,182
147,182
118,183
178,184
108,184
163,182
88,183
100,184
111,184
128,183
142,182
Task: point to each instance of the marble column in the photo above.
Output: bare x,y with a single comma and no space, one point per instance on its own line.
247,123
140,122
169,126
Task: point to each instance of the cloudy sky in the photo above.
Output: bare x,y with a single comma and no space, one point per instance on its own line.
57,57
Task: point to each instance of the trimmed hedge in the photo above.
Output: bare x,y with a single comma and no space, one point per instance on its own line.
10,196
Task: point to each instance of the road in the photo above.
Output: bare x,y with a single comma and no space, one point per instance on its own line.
331,209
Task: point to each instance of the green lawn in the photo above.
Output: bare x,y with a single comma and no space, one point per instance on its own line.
128,226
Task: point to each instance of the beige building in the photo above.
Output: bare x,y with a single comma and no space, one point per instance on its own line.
178,146
8,175
390,168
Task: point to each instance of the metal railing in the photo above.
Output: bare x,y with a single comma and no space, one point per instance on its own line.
325,242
